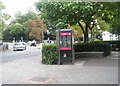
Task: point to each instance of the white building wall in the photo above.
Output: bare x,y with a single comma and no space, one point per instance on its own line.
108,36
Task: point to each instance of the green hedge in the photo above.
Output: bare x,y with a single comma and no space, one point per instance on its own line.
50,51
93,47
113,44
49,54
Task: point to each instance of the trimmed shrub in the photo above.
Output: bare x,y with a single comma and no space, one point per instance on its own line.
49,54
113,44
93,47
50,51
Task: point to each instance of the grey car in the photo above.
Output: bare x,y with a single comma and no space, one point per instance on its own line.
19,46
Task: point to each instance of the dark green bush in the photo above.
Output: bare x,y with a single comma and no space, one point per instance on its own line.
93,47
113,44
49,54
50,51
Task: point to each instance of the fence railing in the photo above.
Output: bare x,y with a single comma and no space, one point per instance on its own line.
3,47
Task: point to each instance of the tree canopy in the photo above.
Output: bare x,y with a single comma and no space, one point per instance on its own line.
3,18
28,26
83,17
113,18
64,13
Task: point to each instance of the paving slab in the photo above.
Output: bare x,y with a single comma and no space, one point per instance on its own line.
84,71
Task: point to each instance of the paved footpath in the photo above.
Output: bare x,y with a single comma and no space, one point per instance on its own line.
84,71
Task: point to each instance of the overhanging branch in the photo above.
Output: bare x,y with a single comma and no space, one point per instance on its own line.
81,27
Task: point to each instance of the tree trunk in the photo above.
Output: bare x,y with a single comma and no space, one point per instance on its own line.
118,36
79,40
86,34
91,37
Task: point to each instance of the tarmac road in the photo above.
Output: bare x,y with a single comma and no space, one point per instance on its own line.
11,55
25,67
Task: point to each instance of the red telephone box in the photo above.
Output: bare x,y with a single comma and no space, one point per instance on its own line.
65,46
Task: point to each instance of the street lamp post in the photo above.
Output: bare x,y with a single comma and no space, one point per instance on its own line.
48,33
13,40
21,39
42,37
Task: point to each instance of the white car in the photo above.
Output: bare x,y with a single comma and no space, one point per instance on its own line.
32,43
29,42
19,46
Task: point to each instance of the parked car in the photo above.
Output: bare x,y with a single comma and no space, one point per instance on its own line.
33,43
29,42
19,46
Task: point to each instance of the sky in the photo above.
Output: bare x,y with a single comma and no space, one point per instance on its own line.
13,6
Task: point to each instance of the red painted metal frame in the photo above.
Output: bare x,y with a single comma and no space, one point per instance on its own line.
65,33
65,48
